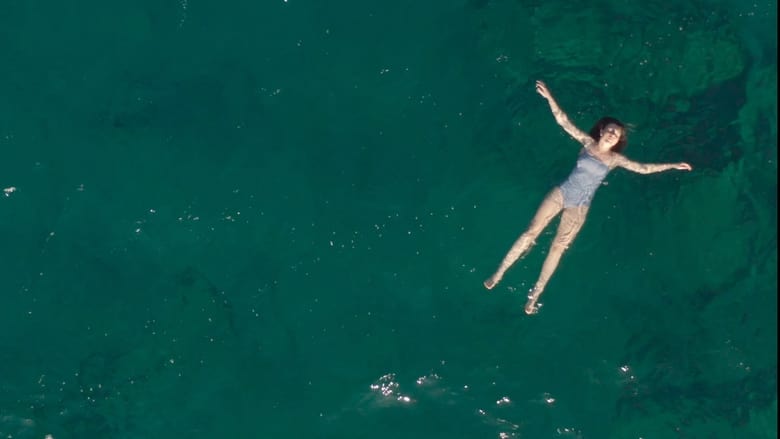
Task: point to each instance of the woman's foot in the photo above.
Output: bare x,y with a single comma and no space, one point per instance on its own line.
491,282
530,306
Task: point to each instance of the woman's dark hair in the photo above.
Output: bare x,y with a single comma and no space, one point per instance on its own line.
595,132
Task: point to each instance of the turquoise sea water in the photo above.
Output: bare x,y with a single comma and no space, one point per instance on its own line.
272,219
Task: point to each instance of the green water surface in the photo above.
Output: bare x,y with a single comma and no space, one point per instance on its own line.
268,219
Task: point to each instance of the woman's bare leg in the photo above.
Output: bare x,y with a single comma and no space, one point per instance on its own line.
551,205
572,220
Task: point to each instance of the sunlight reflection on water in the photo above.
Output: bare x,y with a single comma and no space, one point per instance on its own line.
505,416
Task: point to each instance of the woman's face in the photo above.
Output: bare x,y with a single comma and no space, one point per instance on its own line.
611,133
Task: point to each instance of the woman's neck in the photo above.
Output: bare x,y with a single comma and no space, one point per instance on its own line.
602,147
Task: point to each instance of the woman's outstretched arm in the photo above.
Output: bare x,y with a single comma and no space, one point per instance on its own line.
562,118
649,168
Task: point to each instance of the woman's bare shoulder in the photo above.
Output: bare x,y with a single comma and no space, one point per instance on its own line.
588,143
615,159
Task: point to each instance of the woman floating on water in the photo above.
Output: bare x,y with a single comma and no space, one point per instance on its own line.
599,155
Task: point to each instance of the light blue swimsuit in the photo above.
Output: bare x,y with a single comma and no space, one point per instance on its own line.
579,188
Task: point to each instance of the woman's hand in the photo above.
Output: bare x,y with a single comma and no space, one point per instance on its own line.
541,88
682,166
